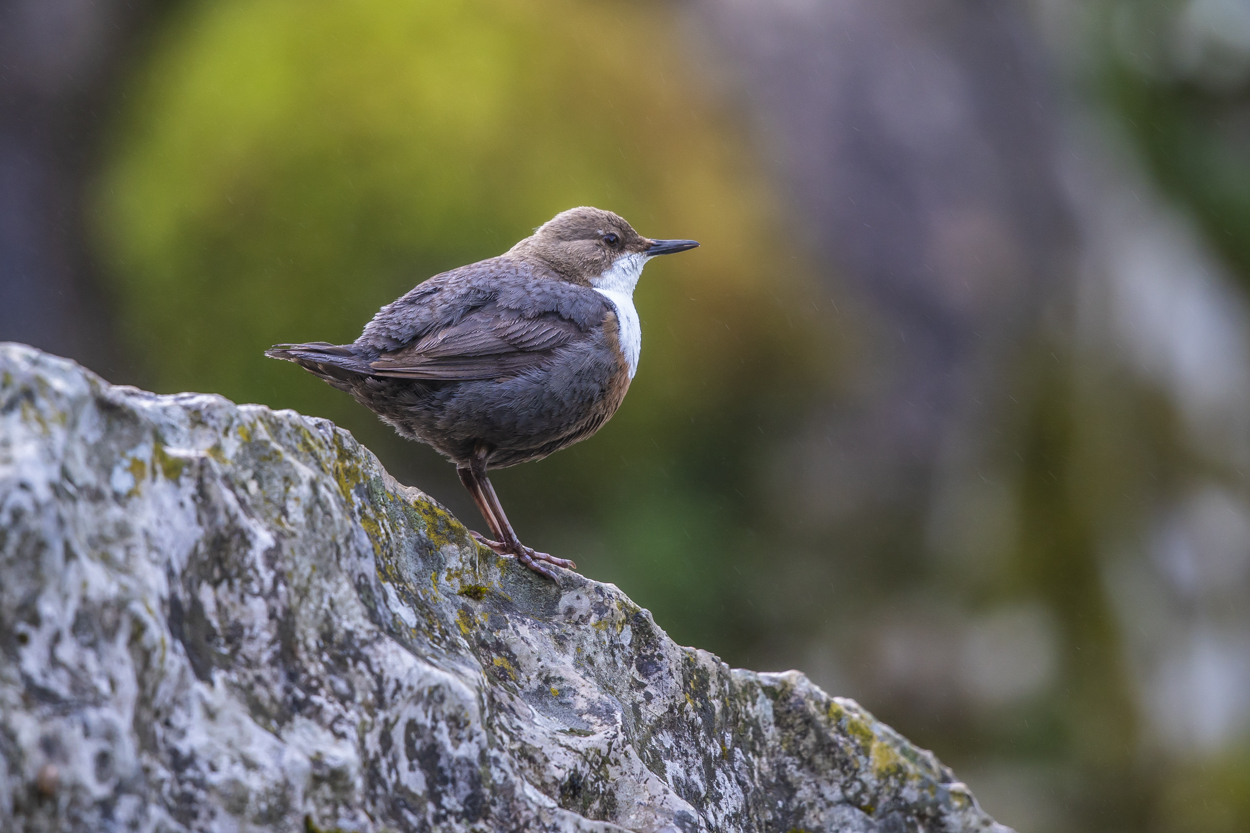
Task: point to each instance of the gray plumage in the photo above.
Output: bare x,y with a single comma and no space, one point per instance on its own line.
503,361
500,352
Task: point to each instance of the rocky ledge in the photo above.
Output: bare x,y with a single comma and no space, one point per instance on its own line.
222,617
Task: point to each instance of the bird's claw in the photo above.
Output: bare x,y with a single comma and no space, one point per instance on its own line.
499,547
528,556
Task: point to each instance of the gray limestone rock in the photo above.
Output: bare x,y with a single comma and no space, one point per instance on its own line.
217,617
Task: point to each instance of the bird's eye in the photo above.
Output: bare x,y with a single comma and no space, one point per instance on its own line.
611,239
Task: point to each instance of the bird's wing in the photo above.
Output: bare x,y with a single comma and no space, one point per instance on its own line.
486,320
490,341
444,299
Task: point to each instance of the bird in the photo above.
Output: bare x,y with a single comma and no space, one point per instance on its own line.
506,360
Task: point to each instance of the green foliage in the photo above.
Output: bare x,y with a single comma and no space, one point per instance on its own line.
287,167
1197,153
1191,128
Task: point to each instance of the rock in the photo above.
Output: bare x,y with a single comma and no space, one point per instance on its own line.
222,617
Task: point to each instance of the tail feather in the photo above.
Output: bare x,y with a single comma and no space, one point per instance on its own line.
311,350
337,364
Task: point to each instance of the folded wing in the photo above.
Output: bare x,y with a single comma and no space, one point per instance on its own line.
489,342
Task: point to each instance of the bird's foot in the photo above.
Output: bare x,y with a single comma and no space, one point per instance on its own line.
530,557
538,561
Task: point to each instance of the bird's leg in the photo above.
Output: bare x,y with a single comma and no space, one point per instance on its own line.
483,505
528,556
508,543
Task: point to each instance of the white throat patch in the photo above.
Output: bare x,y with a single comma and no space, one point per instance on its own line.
617,285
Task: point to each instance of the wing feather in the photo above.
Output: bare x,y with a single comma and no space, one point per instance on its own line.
489,342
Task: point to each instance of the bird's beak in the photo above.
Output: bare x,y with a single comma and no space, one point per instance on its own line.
669,247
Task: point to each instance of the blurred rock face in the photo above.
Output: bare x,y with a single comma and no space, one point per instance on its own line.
916,142
60,58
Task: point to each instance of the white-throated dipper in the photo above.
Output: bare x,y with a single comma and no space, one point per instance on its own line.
506,360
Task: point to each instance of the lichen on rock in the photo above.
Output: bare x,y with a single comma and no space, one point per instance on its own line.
222,617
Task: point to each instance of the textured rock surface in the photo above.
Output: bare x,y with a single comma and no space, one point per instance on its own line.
221,617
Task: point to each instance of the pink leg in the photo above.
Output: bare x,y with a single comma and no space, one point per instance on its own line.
479,485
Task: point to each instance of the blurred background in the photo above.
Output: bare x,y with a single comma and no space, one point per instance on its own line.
950,411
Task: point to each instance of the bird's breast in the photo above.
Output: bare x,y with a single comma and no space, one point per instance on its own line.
629,335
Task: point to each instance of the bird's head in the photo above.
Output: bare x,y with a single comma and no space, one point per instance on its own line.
596,248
